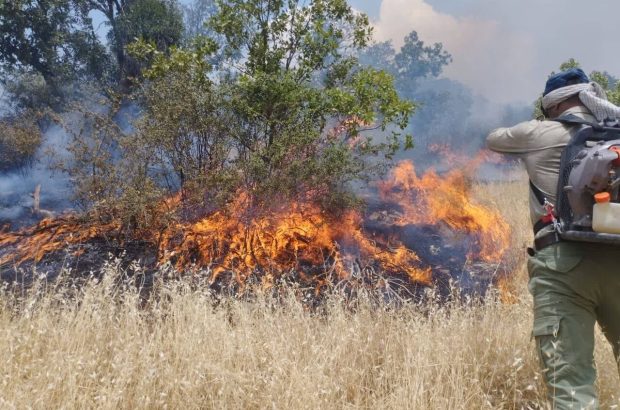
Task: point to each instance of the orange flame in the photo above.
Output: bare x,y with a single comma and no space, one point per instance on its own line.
285,239
453,158
50,235
298,236
431,199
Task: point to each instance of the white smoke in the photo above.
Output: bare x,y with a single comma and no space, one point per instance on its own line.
485,54
17,187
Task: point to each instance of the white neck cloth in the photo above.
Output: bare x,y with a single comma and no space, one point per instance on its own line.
591,95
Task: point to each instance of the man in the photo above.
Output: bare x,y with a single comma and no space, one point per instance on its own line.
573,284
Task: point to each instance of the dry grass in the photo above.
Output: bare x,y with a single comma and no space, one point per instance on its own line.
103,347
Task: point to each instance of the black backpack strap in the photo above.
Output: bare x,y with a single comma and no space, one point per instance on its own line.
572,119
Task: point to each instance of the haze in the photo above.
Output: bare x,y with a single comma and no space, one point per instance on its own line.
504,50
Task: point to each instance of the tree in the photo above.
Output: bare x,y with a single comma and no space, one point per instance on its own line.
159,21
287,116
609,83
184,133
443,105
196,16
568,64
19,140
297,81
156,21
416,60
113,10
49,38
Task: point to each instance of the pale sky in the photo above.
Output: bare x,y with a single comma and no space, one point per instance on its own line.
504,49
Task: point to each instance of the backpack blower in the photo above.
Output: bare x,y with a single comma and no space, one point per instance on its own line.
588,201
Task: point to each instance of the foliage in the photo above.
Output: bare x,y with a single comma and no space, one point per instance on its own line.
570,63
415,60
156,21
102,164
186,125
92,165
52,62
196,15
29,91
444,104
159,21
49,38
19,139
609,83
288,113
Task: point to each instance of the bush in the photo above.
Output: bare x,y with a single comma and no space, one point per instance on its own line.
285,115
19,140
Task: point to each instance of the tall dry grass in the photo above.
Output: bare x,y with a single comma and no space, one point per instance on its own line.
102,346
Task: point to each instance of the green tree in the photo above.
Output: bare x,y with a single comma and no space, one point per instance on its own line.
19,140
113,10
48,38
295,82
610,84
159,21
417,60
414,61
196,16
184,133
290,114
415,67
567,65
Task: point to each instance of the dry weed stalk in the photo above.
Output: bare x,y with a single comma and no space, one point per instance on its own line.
101,345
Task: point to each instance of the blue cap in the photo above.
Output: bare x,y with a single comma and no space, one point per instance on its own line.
564,78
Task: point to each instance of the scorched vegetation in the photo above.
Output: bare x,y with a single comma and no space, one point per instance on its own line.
104,345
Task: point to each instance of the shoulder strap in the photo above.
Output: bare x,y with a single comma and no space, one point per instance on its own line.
572,119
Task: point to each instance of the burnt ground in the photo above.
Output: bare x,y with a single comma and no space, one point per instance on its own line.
439,247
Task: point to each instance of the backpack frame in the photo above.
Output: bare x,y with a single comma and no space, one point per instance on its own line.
587,133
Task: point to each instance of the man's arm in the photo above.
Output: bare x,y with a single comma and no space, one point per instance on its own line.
514,140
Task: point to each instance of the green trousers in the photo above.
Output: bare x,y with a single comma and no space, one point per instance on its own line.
574,285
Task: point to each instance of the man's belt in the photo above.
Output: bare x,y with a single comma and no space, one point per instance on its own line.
546,240
540,225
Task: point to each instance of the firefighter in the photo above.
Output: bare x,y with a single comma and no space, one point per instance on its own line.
573,285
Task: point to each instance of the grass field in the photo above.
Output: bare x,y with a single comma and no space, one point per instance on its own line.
100,346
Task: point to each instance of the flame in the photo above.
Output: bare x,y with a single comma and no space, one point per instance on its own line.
50,235
431,199
455,158
288,238
294,236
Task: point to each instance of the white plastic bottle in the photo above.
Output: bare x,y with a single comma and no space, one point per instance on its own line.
606,215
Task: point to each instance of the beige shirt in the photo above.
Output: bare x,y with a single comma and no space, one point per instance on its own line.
539,144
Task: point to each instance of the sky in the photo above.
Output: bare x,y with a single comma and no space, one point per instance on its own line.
505,49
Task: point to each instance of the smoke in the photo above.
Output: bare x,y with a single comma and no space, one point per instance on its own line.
4,101
451,120
17,186
51,160
483,50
